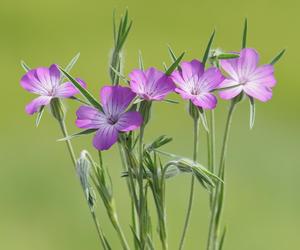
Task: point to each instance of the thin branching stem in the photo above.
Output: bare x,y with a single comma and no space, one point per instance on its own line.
217,205
191,198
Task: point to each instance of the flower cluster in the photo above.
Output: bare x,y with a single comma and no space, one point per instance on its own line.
191,80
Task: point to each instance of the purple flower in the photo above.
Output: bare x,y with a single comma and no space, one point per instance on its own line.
151,84
196,84
45,82
113,119
256,81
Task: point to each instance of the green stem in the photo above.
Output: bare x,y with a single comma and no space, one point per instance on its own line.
141,189
99,231
211,149
217,205
191,198
68,142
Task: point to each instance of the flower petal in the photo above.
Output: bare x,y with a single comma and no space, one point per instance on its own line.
232,92
129,121
90,118
55,75
35,105
115,99
185,95
105,137
210,79
205,100
193,69
31,83
137,81
258,91
230,67
264,75
247,62
68,89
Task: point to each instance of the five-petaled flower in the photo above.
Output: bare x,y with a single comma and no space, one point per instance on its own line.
245,74
46,83
151,85
113,119
196,84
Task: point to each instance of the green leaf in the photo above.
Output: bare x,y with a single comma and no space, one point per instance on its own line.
227,56
221,244
83,91
25,66
252,112
175,64
206,53
245,31
84,132
172,54
141,62
159,142
119,74
170,101
39,116
70,66
278,57
203,119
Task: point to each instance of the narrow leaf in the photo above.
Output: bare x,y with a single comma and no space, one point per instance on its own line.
172,54
170,101
84,132
203,119
206,53
245,31
278,57
70,66
221,244
39,116
25,66
227,56
119,74
175,64
252,112
82,90
141,62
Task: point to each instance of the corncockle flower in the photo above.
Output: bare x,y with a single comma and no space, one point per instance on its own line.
196,84
113,119
151,85
244,73
46,83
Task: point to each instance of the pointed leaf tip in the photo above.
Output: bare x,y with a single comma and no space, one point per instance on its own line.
278,57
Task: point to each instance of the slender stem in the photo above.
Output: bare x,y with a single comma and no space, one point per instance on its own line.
211,144
68,142
99,231
121,234
191,198
141,188
219,191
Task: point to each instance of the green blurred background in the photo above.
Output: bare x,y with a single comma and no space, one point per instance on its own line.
42,206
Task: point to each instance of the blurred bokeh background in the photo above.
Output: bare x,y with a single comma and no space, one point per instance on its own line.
41,203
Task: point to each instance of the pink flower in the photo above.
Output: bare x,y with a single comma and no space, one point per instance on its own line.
114,118
45,82
256,81
151,84
195,84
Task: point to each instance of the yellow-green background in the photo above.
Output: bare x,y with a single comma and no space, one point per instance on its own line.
41,203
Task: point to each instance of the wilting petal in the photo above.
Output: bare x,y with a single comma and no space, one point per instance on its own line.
31,83
105,137
230,67
129,121
232,92
210,79
247,62
205,100
67,89
264,75
193,69
90,118
259,92
115,99
35,105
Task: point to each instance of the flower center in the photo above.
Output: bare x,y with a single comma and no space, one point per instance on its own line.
112,120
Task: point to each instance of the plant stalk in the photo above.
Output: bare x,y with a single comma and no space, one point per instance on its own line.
191,197
214,227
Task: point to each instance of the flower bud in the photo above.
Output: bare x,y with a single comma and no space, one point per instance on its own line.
57,109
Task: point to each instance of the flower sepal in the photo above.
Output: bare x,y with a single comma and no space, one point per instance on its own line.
57,109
